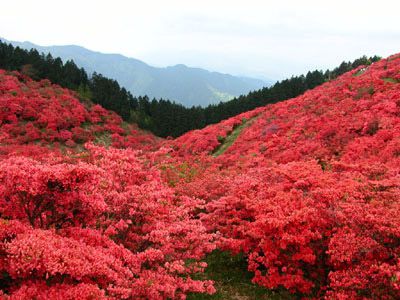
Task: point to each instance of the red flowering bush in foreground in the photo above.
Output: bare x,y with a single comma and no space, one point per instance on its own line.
97,225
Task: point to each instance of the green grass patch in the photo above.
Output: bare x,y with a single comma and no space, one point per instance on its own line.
360,72
231,138
391,80
233,281
103,139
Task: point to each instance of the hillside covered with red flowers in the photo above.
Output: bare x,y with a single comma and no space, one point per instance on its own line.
307,190
41,113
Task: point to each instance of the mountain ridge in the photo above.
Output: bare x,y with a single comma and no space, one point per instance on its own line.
190,86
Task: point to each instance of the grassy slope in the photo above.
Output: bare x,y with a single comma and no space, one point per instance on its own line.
233,281
231,138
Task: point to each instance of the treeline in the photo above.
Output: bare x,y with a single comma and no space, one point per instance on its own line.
165,118
162,117
97,88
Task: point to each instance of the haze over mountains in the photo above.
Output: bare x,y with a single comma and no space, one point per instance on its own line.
180,83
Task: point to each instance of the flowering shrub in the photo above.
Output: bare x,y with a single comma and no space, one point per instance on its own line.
100,224
43,113
308,191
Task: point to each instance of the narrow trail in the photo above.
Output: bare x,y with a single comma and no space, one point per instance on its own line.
231,137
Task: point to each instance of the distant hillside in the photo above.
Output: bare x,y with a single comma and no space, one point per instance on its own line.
188,86
162,117
355,104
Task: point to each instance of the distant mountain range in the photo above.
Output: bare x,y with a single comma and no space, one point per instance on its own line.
180,83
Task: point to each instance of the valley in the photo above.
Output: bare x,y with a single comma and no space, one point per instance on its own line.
297,199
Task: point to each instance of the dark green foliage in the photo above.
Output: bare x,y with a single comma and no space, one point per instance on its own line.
110,95
99,89
40,66
233,281
162,117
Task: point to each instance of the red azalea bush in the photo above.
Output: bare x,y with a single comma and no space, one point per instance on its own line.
309,190
43,113
100,224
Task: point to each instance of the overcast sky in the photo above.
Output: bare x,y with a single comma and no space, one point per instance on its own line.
274,39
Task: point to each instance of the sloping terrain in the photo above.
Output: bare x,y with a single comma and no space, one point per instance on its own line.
44,114
299,199
80,218
309,191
